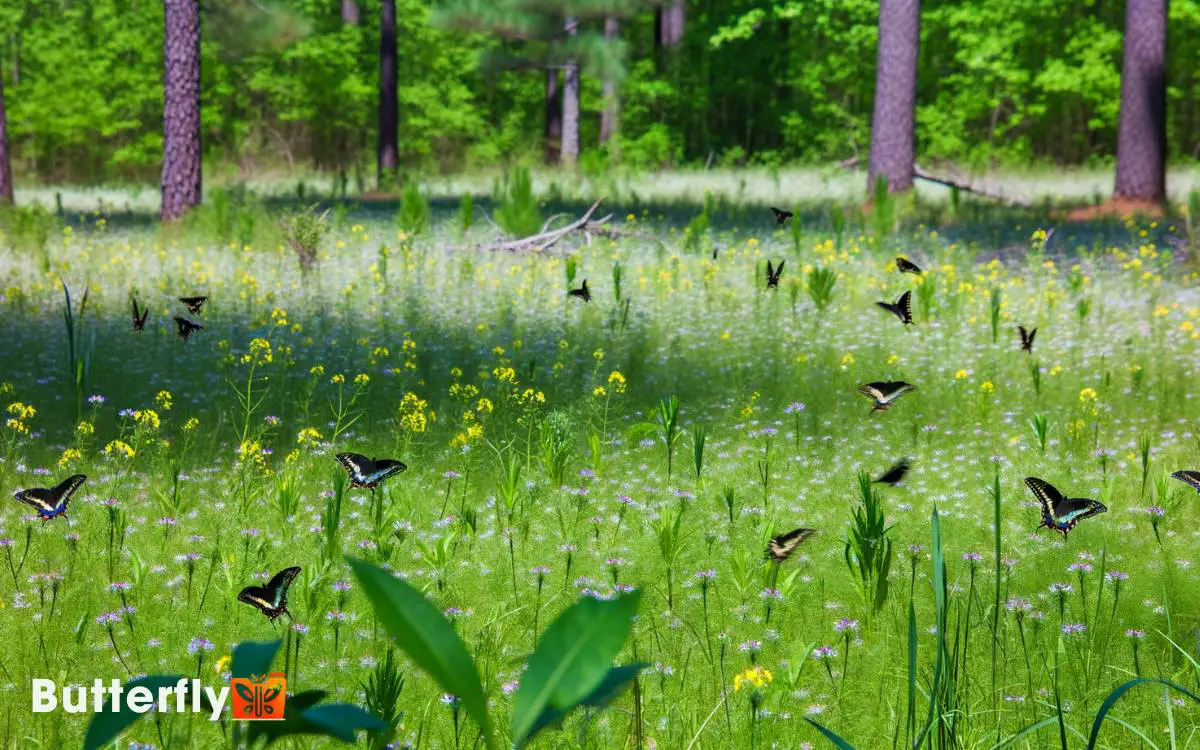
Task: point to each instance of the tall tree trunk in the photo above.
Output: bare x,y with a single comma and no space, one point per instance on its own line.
350,12
181,108
570,105
6,181
892,148
1142,130
553,117
608,118
669,23
389,148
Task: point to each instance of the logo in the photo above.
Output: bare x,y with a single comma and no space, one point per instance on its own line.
259,696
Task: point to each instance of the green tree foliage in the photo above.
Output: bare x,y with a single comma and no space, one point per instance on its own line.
758,81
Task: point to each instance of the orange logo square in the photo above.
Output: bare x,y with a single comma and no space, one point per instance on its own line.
259,696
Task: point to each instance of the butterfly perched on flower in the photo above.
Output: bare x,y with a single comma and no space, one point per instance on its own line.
366,473
1188,477
187,327
139,321
51,503
902,309
904,265
780,548
193,303
894,475
780,215
773,274
582,292
1062,513
885,393
1027,338
271,599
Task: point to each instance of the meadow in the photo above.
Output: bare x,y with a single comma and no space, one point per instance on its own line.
651,440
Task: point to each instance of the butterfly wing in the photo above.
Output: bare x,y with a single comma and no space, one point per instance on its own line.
1073,510
358,466
139,320
193,303
904,308
780,215
1191,478
271,599
893,391
894,475
384,468
1032,336
187,327
1048,496
907,266
872,390
781,547
1026,338
51,502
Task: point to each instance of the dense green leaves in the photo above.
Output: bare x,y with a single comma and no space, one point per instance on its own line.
757,81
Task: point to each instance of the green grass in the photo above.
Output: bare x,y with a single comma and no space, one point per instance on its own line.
653,439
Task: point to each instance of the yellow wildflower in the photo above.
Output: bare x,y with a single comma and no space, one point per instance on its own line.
147,418
163,400
119,448
756,677
987,386
1087,394
338,379
962,375
308,435
69,455
83,429
362,379
191,424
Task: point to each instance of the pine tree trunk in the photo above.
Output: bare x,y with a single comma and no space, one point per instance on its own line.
608,118
181,108
389,148
669,22
1142,130
570,105
6,181
350,12
892,148
553,117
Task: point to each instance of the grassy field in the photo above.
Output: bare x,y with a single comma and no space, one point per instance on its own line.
546,463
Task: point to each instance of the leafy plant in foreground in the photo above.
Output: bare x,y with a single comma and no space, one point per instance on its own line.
868,549
571,666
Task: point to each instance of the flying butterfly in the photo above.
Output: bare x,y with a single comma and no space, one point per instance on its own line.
904,265
51,503
366,473
894,475
271,599
139,321
885,393
780,548
773,274
780,215
193,303
1062,513
187,327
1027,338
582,292
1188,477
902,309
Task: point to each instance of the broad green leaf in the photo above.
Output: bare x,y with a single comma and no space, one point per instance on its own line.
342,720
837,741
293,722
106,725
572,659
610,687
253,657
426,636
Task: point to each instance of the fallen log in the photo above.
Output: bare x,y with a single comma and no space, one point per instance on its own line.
547,238
958,183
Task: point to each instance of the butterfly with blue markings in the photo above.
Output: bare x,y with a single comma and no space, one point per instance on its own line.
1188,477
271,599
366,473
1061,513
51,503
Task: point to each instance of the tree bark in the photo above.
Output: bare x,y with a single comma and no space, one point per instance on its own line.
892,147
6,181
608,118
553,117
389,148
1142,129
181,108
570,105
669,22
350,12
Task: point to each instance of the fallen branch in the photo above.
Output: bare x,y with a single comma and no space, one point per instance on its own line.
959,183
545,239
